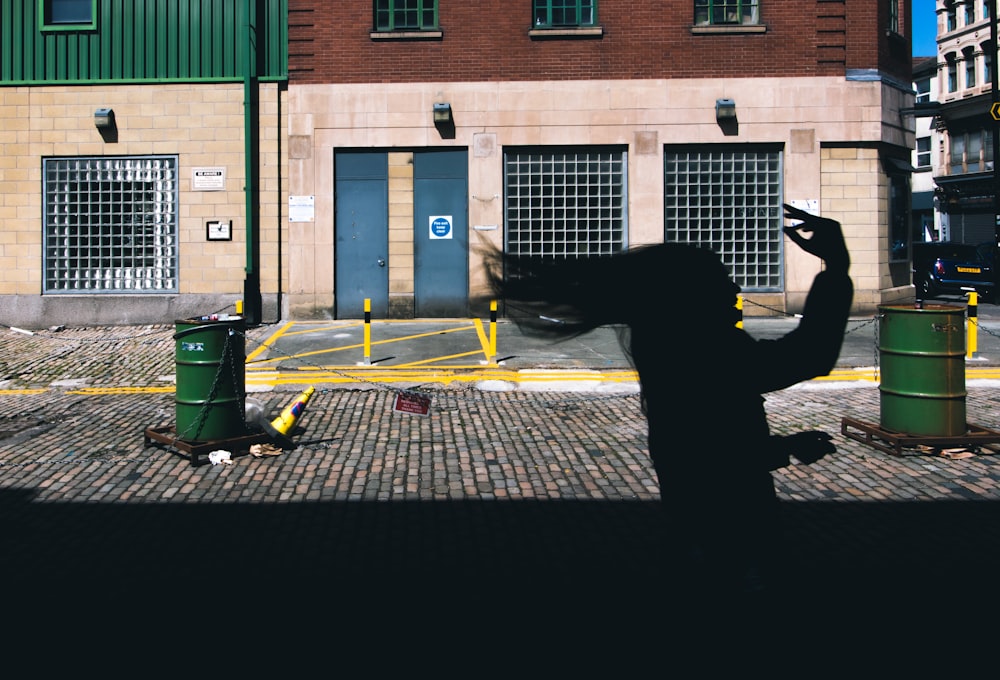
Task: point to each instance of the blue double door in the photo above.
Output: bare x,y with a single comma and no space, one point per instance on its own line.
440,234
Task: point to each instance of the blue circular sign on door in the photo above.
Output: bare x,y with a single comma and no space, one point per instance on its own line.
440,227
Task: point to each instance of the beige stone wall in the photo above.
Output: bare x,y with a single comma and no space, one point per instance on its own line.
798,115
202,124
401,235
852,193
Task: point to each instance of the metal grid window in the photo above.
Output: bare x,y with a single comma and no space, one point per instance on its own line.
730,201
712,12
566,203
562,13
406,15
110,224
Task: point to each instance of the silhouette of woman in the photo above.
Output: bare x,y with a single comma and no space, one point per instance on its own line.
702,378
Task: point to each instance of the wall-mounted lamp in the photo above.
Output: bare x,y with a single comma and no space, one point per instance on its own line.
725,109
442,114
444,121
104,119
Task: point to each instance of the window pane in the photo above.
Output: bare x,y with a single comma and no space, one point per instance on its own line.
565,12
725,12
728,199
899,217
957,153
405,15
69,11
923,152
111,225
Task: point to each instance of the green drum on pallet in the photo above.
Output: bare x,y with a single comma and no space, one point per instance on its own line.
922,354
210,377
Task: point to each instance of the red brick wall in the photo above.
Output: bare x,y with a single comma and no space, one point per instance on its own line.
329,42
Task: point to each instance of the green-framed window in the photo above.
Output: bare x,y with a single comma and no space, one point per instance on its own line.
565,13
894,16
406,15
67,15
726,12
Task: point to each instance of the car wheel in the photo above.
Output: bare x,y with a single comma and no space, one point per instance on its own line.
926,288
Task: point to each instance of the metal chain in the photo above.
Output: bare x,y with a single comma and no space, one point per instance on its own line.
431,394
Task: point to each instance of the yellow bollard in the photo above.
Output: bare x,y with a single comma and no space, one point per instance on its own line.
368,331
973,314
239,308
280,427
493,331
739,306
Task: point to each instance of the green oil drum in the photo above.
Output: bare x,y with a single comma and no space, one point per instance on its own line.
210,377
922,355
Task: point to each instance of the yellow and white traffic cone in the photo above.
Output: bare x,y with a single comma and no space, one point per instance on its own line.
280,427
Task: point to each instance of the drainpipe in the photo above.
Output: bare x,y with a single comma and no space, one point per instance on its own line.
251,287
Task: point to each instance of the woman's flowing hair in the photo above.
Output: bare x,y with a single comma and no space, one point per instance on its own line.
561,298
565,297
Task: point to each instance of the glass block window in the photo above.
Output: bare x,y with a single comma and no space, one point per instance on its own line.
110,224
562,13
566,202
711,12
728,199
406,15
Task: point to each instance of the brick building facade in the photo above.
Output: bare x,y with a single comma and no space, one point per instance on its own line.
632,88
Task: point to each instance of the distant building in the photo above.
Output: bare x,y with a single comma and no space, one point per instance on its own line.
965,177
926,219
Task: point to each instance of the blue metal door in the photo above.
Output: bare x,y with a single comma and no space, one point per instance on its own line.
441,234
361,239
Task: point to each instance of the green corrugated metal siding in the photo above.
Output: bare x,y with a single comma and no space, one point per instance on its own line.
144,40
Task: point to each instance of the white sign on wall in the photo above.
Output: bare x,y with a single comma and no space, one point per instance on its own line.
301,208
208,179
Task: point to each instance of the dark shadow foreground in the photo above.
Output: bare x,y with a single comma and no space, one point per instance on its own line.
508,589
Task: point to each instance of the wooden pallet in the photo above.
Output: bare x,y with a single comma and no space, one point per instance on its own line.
194,450
894,442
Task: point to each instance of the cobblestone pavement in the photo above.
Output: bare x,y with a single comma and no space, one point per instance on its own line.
501,528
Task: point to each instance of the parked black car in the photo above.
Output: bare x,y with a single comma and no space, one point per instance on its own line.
942,267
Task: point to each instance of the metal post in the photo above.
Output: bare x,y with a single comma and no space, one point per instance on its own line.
493,331
972,312
368,331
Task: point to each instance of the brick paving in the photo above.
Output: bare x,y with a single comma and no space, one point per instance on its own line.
498,513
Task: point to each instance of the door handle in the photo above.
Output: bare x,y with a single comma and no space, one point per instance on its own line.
381,262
